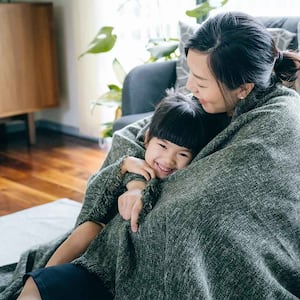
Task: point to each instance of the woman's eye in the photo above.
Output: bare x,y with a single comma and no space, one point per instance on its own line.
162,146
184,154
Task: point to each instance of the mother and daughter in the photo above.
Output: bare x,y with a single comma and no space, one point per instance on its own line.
207,190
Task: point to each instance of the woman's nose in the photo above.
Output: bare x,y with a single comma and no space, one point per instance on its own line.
190,85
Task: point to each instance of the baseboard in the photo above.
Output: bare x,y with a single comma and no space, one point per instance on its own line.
66,129
17,126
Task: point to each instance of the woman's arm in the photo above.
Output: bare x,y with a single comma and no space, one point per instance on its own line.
75,244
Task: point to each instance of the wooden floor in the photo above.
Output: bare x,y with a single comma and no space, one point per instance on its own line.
58,166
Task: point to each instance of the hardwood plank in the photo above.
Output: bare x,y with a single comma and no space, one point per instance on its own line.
39,183
8,204
8,187
11,173
57,166
65,180
38,160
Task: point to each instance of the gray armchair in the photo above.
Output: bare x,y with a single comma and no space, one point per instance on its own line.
145,85
143,88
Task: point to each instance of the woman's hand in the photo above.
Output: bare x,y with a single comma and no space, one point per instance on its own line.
138,166
130,203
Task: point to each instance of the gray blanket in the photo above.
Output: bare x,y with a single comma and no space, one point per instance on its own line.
226,227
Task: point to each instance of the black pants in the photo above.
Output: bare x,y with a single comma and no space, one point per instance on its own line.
68,281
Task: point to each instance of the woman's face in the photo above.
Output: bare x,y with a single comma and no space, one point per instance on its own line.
203,85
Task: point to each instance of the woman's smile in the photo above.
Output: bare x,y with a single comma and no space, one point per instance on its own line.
202,101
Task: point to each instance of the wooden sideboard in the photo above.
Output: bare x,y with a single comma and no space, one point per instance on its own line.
28,63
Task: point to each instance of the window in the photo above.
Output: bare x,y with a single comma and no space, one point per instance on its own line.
136,21
264,8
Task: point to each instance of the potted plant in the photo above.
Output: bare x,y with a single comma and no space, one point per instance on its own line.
159,49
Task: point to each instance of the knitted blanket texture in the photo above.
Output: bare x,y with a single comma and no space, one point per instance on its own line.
225,227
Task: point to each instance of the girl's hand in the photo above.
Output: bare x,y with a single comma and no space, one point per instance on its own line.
138,166
130,205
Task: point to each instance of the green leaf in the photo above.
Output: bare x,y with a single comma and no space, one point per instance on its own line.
110,98
224,2
107,124
104,41
119,71
114,87
200,11
107,131
164,49
156,41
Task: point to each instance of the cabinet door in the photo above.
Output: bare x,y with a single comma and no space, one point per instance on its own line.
28,73
45,62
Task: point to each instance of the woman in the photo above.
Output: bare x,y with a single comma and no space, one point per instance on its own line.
227,226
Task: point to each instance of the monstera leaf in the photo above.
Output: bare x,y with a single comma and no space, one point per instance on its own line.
104,41
161,48
202,10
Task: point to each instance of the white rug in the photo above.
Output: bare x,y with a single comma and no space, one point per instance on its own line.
37,225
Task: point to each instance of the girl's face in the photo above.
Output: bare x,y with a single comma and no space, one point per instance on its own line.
165,157
203,85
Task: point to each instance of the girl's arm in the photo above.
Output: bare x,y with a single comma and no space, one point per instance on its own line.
75,244
130,203
139,166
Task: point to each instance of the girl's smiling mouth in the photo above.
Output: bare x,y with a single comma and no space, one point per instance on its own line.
165,171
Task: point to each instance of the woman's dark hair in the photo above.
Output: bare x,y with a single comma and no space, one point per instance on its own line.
180,120
240,50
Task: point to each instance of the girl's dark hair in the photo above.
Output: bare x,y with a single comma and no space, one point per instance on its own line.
240,50
178,119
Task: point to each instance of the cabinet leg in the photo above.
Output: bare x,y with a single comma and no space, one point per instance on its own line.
2,132
31,128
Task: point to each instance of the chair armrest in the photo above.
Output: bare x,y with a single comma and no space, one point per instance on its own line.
129,119
145,86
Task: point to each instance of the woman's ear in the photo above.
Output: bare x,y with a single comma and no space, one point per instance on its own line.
146,139
244,90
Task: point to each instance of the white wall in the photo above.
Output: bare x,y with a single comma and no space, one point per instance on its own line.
76,23
75,26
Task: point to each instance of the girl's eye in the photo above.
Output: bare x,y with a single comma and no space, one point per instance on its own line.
184,154
162,145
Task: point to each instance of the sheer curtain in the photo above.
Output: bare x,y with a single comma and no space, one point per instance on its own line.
136,21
